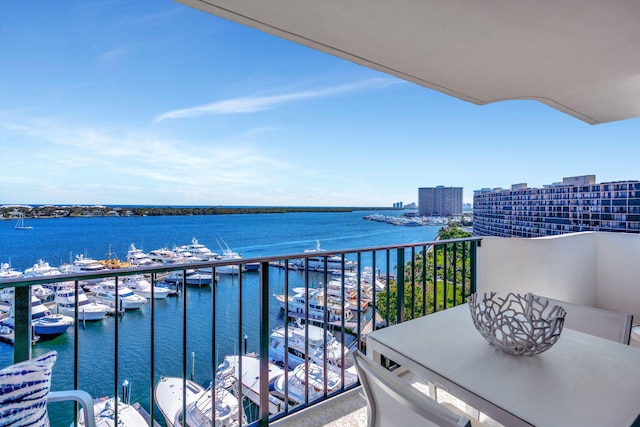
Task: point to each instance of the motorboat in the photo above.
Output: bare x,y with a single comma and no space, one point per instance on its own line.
301,379
372,279
105,293
141,286
43,321
317,310
187,257
350,284
229,255
334,292
195,277
114,263
44,294
6,272
229,372
41,268
320,345
137,258
165,256
105,409
82,264
315,261
200,251
7,296
169,392
46,323
65,299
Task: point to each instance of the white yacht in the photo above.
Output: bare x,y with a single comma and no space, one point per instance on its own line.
104,409
6,272
165,256
333,289
41,268
82,264
66,302
201,251
316,261
187,257
297,304
229,372
301,378
228,255
141,286
137,258
336,353
105,293
7,296
168,395
195,277
44,294
43,321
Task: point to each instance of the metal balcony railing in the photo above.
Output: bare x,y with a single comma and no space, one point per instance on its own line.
345,294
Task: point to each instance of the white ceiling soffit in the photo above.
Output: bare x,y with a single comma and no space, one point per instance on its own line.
579,56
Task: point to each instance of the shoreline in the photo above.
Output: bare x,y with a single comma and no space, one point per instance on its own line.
13,213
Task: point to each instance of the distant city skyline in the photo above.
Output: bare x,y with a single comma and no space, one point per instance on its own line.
156,103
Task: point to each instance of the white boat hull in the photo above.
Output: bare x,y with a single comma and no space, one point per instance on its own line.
297,383
318,346
88,313
104,409
168,395
229,371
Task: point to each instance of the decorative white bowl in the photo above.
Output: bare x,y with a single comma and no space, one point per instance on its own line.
517,324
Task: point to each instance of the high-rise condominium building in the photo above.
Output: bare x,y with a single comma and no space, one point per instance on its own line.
440,201
576,204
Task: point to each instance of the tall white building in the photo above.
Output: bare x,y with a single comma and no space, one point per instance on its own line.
440,201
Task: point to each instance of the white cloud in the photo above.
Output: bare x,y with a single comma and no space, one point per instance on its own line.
73,157
113,55
252,104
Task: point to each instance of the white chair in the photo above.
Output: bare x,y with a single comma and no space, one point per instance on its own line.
602,323
393,402
25,392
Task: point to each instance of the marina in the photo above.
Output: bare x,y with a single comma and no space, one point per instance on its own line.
252,235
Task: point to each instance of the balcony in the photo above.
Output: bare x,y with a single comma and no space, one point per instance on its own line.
189,336
594,269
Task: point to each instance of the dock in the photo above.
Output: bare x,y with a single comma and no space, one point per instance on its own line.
6,337
281,265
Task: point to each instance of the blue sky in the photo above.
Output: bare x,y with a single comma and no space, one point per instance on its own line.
152,102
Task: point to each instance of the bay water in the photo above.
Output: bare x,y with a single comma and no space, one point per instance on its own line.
58,240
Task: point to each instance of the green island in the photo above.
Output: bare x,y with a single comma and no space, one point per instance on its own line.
58,211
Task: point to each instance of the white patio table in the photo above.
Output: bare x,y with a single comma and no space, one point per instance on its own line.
581,381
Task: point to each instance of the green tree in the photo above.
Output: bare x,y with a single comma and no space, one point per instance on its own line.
451,284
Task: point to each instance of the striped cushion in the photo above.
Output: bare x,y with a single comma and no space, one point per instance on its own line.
23,392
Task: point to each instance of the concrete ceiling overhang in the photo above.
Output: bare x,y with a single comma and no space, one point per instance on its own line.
579,56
